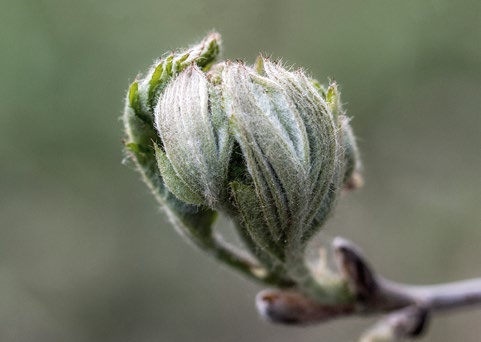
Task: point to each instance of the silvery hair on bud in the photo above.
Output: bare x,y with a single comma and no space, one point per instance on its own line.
269,147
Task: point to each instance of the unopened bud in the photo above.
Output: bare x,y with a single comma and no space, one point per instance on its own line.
267,146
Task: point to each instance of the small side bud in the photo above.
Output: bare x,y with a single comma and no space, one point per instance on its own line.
406,323
290,307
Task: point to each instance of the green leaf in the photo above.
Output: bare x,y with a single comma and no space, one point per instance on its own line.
154,84
333,99
253,220
134,95
173,182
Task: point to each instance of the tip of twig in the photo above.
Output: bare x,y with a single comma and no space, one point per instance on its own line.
356,270
340,243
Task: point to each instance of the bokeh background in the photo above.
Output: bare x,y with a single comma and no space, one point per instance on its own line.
86,255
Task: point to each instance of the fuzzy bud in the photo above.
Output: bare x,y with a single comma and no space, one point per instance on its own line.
265,145
195,137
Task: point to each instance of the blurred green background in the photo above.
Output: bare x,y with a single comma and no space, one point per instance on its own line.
86,255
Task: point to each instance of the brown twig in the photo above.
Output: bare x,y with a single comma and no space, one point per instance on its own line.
408,307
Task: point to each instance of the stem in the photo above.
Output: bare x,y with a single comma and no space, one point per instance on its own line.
197,229
438,297
408,307
235,258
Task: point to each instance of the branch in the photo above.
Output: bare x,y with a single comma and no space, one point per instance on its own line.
408,307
